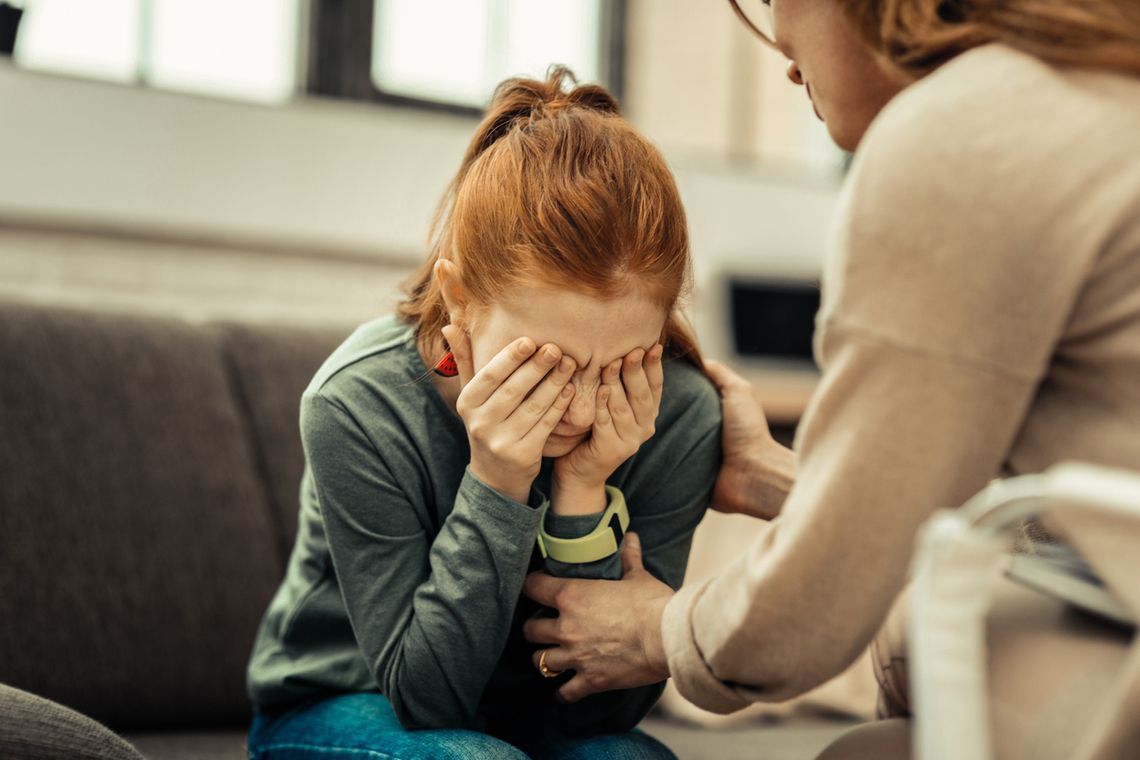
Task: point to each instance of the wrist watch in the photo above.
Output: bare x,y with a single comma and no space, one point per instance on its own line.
601,542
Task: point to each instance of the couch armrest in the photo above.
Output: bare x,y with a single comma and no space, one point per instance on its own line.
34,728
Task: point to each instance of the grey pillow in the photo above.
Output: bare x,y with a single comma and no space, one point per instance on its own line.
34,728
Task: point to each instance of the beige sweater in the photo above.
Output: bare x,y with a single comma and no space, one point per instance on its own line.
981,317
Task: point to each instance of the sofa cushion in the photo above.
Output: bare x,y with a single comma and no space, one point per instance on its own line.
271,366
32,727
136,550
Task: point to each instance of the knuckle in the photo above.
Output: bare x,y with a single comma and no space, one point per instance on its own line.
563,598
562,633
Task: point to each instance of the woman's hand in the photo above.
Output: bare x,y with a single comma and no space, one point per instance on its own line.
627,404
607,632
509,409
757,472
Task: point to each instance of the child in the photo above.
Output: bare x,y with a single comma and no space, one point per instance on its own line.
547,314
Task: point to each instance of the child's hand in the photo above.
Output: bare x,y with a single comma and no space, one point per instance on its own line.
509,409
627,405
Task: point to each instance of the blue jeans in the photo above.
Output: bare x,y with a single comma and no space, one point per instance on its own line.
364,726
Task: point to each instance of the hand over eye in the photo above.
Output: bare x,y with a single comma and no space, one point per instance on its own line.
509,408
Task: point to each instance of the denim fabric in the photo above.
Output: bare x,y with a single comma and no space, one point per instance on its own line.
363,725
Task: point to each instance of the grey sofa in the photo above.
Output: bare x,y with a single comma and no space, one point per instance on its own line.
148,494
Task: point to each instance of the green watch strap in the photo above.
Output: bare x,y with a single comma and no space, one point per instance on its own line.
601,542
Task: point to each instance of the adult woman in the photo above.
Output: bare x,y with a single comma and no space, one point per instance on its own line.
981,316
561,255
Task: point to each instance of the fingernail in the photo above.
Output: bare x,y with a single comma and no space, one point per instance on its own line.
549,354
655,352
526,346
567,391
565,365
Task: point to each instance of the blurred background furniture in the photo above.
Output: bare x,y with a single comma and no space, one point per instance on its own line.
1000,669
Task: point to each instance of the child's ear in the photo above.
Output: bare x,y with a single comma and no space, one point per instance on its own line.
450,283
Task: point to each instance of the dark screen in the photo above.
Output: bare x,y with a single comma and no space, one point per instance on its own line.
773,318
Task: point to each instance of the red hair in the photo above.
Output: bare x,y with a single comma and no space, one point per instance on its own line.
918,36
557,188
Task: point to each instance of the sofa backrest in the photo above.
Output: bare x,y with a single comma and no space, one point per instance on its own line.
148,479
270,367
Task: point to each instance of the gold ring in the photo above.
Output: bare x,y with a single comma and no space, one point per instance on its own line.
546,672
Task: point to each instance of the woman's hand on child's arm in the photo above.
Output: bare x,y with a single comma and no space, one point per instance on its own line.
607,632
509,409
757,472
628,402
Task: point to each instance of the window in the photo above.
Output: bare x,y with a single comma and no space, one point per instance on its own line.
456,51
438,53
452,53
245,50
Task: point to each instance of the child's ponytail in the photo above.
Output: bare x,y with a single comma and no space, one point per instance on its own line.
521,102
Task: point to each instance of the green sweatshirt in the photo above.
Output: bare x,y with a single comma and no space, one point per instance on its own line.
407,570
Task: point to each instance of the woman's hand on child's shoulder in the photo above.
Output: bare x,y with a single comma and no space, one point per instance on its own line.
625,416
510,407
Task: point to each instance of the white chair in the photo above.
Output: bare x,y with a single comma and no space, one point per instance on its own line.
959,556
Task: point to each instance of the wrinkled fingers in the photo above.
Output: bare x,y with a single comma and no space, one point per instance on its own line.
534,407
546,424
516,387
487,380
624,421
636,378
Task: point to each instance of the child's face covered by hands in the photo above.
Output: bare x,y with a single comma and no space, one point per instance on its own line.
613,344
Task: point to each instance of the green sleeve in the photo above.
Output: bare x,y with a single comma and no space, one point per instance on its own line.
431,617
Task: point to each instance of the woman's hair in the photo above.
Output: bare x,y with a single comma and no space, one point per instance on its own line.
918,36
557,188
